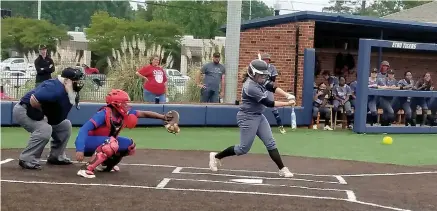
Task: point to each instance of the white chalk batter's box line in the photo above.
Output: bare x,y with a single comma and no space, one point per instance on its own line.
178,170
165,181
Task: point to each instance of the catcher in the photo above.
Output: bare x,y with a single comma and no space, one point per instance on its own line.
98,137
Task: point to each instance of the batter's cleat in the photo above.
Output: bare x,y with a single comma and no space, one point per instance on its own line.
282,129
86,173
327,128
102,168
214,163
284,172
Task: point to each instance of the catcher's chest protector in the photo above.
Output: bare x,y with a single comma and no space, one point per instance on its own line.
112,126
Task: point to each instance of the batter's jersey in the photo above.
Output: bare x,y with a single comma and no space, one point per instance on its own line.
251,95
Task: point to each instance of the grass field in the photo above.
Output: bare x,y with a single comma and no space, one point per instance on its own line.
417,149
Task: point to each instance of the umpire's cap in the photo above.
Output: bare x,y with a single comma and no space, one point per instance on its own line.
72,74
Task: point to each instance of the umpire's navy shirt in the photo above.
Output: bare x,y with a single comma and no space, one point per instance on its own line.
53,98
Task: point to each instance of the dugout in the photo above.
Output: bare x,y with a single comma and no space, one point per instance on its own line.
286,37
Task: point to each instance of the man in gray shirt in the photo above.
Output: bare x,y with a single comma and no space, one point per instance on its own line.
213,80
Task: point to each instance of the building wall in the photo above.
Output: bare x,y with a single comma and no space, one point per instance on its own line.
417,63
280,42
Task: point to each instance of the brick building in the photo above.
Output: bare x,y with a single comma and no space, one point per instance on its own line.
286,36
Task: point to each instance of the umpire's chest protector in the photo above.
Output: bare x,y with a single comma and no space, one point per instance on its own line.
111,127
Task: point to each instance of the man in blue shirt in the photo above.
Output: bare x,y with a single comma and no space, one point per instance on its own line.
43,113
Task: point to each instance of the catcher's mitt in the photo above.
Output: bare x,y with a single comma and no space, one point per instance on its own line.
172,122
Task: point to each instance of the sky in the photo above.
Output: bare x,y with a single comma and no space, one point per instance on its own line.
289,6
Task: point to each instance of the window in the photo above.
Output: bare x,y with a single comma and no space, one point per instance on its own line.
18,61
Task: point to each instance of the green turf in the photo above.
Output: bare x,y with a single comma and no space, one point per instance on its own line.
417,149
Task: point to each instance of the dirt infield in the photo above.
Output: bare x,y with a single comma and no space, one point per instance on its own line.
180,180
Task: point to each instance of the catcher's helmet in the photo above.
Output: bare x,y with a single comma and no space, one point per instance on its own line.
118,99
258,67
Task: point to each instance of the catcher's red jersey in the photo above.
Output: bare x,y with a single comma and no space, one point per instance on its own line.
110,124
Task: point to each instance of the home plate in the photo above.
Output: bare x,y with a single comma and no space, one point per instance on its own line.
248,181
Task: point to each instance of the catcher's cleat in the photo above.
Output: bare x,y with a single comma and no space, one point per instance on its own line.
103,168
282,129
284,172
214,163
86,173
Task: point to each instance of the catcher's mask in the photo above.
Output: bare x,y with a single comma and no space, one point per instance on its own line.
257,71
118,99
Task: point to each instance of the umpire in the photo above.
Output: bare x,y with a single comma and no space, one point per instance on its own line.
44,66
43,113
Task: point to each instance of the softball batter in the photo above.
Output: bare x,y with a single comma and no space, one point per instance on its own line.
251,120
273,73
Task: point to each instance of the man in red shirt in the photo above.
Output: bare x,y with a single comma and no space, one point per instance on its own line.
155,81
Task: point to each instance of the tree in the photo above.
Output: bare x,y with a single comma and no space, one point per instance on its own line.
69,13
203,19
259,10
377,8
381,8
24,34
341,6
106,33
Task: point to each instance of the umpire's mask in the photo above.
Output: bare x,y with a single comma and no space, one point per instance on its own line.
76,76
258,72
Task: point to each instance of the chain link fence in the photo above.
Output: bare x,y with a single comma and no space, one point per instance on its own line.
15,86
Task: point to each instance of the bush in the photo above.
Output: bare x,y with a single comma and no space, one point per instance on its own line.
192,93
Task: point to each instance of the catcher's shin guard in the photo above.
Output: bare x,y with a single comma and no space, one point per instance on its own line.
103,152
111,163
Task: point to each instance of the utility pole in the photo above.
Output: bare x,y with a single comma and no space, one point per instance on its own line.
39,9
250,9
363,6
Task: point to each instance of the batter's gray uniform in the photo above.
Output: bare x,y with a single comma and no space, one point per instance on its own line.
251,120
270,95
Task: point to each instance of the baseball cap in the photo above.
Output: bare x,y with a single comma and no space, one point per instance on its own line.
265,56
72,74
391,71
385,63
216,54
42,47
374,70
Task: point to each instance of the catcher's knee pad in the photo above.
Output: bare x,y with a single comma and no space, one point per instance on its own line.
131,149
103,152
